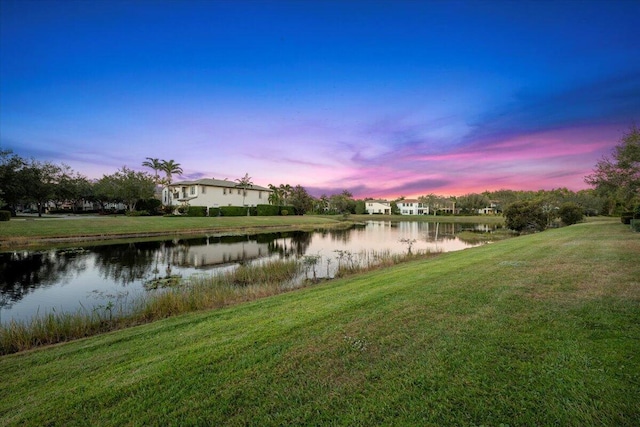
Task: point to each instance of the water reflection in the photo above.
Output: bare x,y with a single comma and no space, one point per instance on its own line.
63,279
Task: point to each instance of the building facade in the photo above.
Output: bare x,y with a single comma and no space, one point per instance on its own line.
214,193
379,207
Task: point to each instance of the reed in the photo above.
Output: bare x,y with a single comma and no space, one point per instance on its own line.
353,263
247,282
52,328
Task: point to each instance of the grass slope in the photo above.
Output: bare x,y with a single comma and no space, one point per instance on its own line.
537,330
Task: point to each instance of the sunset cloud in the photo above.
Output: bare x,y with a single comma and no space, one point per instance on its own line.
395,98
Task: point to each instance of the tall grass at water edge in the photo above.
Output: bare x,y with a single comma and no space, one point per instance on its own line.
199,292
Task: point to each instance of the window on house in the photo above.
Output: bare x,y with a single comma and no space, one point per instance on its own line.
192,190
259,194
224,191
203,189
238,191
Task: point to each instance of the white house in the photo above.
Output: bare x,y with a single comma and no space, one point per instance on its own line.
214,193
492,209
378,207
412,207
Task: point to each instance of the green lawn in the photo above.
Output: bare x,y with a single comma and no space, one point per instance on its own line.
537,330
20,232
32,231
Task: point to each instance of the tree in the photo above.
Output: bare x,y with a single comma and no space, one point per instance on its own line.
125,186
244,183
570,213
503,198
72,187
132,186
285,192
156,165
471,203
170,167
275,197
343,203
525,215
434,202
321,204
105,191
618,176
11,186
591,202
40,179
394,208
300,200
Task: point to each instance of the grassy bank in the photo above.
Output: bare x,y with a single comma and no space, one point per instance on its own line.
27,232
248,282
538,330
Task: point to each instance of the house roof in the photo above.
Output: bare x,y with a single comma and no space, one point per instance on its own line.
377,201
209,182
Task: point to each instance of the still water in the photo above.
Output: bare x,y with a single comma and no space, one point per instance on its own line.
66,280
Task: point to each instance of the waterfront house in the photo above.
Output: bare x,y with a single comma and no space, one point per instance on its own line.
214,193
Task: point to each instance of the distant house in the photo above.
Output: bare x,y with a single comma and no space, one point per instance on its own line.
491,209
412,207
381,207
214,193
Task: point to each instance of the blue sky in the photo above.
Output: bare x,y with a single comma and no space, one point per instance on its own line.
383,98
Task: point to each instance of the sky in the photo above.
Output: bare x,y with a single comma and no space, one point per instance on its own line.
381,98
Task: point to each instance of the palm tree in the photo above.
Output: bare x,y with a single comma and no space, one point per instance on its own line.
170,167
275,196
156,165
243,183
285,192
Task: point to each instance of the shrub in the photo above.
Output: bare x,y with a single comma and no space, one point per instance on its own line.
153,206
233,210
525,215
290,210
626,217
214,211
267,210
198,211
635,225
5,215
570,213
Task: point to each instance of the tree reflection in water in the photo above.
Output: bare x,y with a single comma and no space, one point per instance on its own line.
23,272
107,269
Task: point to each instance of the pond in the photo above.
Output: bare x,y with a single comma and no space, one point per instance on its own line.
66,280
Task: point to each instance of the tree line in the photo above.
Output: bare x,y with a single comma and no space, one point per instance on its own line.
615,181
26,182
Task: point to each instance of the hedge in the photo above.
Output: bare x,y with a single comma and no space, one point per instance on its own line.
233,210
197,211
288,210
267,210
5,215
